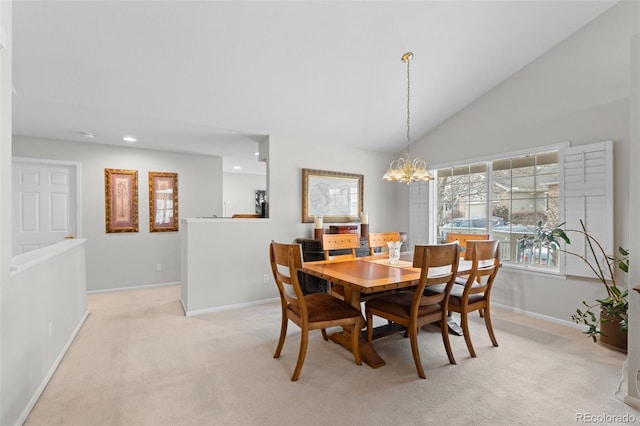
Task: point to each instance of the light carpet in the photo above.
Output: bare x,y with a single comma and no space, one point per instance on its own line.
139,361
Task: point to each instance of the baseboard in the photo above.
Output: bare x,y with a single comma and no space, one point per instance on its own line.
632,401
137,287
226,307
52,370
184,308
540,316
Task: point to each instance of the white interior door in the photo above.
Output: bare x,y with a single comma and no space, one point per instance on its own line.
44,204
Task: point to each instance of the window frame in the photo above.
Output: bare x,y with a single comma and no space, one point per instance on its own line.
586,177
489,159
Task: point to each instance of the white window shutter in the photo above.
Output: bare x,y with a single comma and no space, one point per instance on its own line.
588,196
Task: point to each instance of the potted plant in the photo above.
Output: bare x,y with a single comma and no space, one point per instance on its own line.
542,246
610,323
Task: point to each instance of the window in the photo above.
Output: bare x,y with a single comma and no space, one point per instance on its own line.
506,198
462,199
509,196
525,192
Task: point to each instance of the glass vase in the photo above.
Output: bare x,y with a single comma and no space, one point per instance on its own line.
394,251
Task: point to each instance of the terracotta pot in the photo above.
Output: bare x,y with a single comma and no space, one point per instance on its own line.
612,336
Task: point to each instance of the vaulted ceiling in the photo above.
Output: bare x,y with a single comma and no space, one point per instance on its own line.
214,77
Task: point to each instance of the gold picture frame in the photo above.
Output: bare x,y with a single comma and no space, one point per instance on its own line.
121,200
336,196
163,202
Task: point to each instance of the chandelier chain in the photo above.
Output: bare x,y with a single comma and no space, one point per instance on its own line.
408,104
407,169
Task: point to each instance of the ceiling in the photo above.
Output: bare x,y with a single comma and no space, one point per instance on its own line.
215,77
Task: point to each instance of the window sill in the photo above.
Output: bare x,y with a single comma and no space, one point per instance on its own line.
532,269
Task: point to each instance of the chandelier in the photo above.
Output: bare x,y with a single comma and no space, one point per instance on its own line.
406,169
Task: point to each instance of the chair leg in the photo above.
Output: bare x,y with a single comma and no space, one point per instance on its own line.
465,330
406,332
324,335
355,342
444,329
413,337
304,340
481,312
487,322
369,324
283,335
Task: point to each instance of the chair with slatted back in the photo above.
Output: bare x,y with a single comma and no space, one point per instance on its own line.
413,309
475,295
463,238
346,243
380,239
310,312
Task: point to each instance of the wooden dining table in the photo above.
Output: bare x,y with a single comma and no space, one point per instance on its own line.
369,275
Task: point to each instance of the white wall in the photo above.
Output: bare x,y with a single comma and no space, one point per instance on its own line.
122,260
289,157
634,230
579,91
238,192
43,306
228,258
5,175
136,254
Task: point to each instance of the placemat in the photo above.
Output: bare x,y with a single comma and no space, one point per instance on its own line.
400,264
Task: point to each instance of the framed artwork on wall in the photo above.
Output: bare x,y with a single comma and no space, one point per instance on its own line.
163,202
335,196
121,200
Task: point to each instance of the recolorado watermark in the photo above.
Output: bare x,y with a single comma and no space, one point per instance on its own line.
606,418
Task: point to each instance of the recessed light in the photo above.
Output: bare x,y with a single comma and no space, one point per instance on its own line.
129,139
88,135
256,153
236,167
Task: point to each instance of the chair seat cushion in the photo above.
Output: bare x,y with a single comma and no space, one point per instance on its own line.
461,280
399,304
324,307
456,293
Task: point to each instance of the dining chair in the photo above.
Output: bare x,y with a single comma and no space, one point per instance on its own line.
475,295
412,309
347,245
463,238
380,239
310,312
345,242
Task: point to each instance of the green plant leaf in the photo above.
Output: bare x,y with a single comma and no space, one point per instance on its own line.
557,232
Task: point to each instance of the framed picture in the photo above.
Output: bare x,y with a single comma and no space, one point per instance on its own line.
337,197
163,202
121,200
